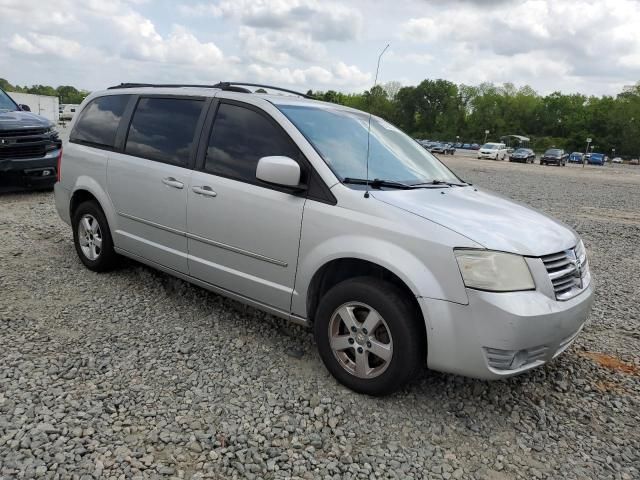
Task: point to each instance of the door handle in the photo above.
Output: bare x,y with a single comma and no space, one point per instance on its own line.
172,182
204,190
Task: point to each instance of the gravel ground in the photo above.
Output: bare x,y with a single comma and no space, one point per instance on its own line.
134,374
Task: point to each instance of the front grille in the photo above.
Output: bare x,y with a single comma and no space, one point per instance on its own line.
35,151
26,143
568,271
23,132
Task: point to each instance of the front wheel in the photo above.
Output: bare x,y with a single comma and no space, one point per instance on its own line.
369,335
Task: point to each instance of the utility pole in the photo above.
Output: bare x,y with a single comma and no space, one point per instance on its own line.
486,132
584,160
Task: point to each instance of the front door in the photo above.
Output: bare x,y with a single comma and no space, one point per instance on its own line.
244,235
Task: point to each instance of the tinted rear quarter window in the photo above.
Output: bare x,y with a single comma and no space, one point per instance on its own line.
239,138
99,120
163,129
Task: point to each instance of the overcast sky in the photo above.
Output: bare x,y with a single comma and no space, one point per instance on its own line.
589,46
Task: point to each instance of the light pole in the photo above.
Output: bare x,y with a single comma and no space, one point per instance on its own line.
584,160
486,132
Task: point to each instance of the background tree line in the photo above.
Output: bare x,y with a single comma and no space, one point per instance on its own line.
442,110
66,93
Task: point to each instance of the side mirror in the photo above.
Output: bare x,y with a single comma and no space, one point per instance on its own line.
24,107
277,170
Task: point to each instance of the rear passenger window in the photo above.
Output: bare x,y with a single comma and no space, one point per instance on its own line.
239,138
98,122
162,129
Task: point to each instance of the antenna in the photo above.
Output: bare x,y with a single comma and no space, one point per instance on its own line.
375,82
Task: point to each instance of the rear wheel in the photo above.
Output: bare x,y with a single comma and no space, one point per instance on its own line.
92,238
369,335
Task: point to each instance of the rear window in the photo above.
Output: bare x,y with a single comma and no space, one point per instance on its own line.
163,129
98,122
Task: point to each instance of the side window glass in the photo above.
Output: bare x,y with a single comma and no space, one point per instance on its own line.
162,129
99,120
239,138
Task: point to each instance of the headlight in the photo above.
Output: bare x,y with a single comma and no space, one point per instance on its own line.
494,271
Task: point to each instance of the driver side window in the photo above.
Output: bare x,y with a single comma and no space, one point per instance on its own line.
240,137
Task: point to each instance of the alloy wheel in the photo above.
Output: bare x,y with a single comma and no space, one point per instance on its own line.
90,237
360,340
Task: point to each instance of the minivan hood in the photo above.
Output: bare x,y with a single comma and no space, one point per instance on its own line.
489,219
21,119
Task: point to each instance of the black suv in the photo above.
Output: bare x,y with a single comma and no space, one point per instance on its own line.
554,156
29,148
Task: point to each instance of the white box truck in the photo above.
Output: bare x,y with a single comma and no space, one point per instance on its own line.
43,105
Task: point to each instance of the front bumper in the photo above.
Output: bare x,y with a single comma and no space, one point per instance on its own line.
29,173
555,161
498,335
486,155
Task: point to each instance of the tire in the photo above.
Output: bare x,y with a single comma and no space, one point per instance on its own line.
354,301
92,238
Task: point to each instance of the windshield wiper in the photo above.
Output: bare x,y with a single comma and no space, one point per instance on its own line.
377,183
441,182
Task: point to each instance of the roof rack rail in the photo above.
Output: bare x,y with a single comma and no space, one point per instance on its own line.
159,85
227,86
233,85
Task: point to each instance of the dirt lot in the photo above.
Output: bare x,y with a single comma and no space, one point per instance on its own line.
133,374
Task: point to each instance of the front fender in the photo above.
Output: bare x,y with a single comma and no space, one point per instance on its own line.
416,251
385,254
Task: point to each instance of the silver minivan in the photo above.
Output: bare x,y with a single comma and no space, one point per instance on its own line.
327,217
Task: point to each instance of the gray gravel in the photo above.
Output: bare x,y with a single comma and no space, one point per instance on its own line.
134,374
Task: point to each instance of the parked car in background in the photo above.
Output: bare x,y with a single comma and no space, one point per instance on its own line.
523,155
634,161
475,146
245,194
494,151
554,156
68,110
29,148
576,157
444,148
616,160
597,158
466,146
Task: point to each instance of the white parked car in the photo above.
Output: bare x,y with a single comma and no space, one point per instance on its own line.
494,151
616,160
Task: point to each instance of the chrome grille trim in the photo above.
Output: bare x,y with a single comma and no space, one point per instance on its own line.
568,271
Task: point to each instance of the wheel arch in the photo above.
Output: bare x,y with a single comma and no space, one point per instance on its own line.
87,188
343,268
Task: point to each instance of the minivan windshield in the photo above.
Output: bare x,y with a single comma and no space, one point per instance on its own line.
490,146
6,104
340,138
